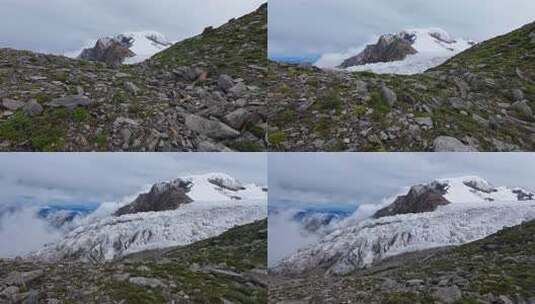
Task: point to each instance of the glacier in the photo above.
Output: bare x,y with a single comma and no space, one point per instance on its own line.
472,215
101,237
434,46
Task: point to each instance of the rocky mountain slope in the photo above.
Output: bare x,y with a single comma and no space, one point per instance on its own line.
479,100
206,93
468,209
408,52
496,270
180,212
230,268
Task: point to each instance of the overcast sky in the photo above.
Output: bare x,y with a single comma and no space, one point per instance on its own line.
65,178
304,27
57,26
324,179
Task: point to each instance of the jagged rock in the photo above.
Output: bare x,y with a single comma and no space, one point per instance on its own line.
225,83
109,50
448,295
211,128
70,102
523,108
388,48
12,105
239,118
451,144
33,108
420,199
160,198
146,282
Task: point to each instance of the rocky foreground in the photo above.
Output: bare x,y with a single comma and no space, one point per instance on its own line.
499,269
230,268
480,100
206,93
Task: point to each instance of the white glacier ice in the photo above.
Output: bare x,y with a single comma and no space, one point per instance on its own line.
472,215
102,237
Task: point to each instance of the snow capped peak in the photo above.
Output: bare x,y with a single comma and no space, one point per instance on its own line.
473,189
143,45
214,187
413,50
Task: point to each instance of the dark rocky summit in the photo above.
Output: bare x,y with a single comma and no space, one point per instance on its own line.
499,269
421,198
479,100
230,268
112,51
206,94
388,48
162,197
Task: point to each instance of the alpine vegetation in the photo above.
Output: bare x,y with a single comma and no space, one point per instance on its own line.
428,87
138,91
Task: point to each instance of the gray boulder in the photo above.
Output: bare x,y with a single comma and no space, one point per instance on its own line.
239,118
70,102
448,295
33,108
146,282
451,144
522,107
11,104
210,128
225,83
389,95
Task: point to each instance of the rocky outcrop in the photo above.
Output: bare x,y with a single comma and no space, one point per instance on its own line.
161,197
112,51
421,198
388,48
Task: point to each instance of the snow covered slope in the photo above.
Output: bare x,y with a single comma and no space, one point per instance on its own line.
434,46
143,44
471,215
213,211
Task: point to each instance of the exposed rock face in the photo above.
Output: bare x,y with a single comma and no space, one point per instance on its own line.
112,51
161,197
388,48
421,198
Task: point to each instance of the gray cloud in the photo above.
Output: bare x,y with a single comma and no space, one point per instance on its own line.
321,179
57,26
300,27
45,178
